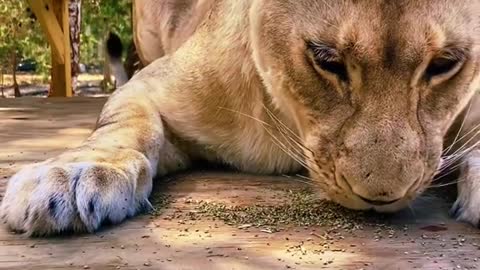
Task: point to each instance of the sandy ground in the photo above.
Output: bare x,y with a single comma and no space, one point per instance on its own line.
36,86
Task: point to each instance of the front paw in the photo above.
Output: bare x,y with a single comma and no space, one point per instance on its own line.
467,210
54,197
467,206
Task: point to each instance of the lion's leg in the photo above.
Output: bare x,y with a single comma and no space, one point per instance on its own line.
106,179
467,205
465,151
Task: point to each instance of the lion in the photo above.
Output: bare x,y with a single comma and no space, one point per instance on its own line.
373,98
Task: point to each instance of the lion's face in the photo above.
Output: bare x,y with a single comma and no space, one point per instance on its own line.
373,86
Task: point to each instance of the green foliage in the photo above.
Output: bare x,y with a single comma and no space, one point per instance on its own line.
98,18
21,32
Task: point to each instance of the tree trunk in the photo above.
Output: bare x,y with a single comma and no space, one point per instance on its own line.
75,11
16,88
1,81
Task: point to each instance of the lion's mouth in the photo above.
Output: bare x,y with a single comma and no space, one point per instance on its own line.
355,201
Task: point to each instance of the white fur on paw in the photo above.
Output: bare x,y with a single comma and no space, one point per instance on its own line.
467,209
467,212
53,198
467,205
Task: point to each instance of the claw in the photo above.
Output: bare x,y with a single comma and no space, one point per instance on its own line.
147,206
455,211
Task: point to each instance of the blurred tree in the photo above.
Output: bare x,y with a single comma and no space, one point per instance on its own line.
100,17
20,38
75,11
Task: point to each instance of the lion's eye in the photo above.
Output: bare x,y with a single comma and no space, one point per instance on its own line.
441,66
327,59
335,67
445,65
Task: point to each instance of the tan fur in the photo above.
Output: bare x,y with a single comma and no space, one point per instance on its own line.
160,27
238,86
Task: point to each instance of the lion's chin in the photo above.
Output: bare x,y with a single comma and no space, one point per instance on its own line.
356,203
392,208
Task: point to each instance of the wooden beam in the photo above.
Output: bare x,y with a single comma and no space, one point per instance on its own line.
43,10
54,19
61,85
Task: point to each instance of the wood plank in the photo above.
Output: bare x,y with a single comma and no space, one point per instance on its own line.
34,129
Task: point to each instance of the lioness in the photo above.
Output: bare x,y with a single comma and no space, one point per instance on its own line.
362,93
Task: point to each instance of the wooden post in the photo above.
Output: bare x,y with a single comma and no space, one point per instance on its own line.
53,17
61,85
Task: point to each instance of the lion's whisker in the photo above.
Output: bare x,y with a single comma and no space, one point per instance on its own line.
282,128
275,118
289,140
468,141
446,171
452,159
461,152
287,151
298,180
459,130
275,140
448,183
246,115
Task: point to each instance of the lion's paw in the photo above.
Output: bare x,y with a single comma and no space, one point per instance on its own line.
467,206
467,209
50,198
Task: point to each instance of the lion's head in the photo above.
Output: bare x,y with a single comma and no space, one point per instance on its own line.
372,85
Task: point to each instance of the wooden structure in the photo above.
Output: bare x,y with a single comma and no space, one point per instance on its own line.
34,129
54,19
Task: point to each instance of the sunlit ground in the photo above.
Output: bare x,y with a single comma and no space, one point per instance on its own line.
37,85
28,78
